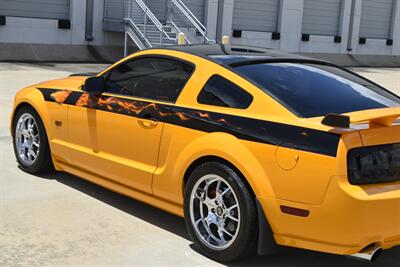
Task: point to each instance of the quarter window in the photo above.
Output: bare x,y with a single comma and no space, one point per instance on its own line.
218,91
151,77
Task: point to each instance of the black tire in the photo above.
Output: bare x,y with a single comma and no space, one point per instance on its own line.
245,243
43,162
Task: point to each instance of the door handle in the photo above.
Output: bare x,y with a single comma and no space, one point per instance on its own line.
148,121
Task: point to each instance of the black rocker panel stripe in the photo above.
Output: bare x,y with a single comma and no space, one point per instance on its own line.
249,129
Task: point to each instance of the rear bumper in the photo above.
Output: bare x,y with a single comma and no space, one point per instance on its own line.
349,219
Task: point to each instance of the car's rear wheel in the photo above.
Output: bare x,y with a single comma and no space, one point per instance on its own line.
31,146
220,212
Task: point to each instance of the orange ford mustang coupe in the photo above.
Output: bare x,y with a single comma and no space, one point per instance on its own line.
253,149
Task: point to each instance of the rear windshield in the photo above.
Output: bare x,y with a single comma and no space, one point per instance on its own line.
313,90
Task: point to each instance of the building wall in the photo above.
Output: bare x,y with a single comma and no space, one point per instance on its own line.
50,9
46,31
290,20
219,18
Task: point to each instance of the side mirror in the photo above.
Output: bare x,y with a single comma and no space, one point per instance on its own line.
94,85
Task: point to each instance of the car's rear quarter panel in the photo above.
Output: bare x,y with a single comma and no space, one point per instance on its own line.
181,147
350,217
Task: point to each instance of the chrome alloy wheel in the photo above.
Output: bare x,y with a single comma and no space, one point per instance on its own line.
214,212
27,139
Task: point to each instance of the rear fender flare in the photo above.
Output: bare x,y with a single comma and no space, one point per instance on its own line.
231,149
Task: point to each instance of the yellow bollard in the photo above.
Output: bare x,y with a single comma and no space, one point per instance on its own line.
225,40
181,38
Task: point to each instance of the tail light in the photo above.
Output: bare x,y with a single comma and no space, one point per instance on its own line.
374,164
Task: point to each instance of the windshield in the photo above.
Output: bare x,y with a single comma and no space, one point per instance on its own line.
313,90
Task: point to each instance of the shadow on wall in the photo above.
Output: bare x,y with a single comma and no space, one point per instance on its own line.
176,225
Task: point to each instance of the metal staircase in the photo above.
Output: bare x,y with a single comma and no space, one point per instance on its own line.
146,30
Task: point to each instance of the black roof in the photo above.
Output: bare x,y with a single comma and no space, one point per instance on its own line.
232,55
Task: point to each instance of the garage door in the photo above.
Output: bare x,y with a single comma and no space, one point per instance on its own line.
114,13
321,17
376,18
255,15
114,9
44,9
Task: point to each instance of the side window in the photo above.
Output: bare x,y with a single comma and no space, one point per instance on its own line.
151,77
218,91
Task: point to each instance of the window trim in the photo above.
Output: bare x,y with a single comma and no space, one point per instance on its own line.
160,56
218,75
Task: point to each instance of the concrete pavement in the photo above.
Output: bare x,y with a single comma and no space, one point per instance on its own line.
387,77
61,220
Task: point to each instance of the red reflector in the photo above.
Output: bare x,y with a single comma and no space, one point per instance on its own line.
295,211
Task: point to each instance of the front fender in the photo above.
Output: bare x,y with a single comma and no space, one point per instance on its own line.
34,98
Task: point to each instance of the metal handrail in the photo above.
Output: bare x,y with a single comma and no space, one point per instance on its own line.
192,19
138,31
148,14
190,13
140,18
178,30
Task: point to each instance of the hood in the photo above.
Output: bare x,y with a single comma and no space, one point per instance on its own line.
70,83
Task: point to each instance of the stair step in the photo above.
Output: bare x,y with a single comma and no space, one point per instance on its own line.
154,34
152,26
163,42
157,33
154,30
157,40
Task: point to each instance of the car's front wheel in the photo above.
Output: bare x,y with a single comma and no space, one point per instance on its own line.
220,212
31,146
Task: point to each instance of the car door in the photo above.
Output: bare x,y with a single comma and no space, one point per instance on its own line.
122,130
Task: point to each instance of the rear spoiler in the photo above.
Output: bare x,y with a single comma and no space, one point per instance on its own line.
86,74
382,117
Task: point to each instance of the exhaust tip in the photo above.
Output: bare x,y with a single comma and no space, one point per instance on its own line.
368,254
377,253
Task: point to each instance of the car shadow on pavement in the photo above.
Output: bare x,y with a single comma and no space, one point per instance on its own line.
284,257
154,216
304,258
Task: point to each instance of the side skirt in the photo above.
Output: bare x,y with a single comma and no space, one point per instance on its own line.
127,191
